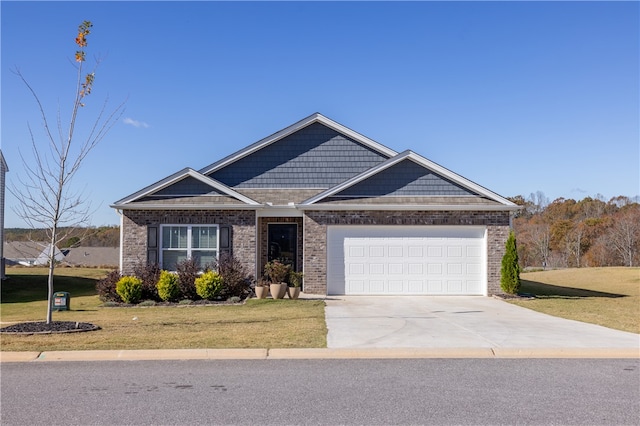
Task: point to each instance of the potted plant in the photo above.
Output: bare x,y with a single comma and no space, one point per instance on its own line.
277,272
262,289
295,284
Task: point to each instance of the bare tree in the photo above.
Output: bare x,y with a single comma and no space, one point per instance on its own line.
46,195
624,235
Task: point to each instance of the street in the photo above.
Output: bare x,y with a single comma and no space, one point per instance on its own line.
314,392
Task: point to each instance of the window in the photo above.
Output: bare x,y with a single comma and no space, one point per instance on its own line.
188,242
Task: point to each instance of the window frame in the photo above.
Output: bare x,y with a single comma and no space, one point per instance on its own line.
189,239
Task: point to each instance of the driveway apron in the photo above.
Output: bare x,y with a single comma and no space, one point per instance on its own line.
457,322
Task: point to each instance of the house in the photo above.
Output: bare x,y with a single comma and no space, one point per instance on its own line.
30,253
354,215
33,253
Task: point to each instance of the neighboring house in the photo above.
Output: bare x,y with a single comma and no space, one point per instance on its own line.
30,253
355,216
93,256
3,171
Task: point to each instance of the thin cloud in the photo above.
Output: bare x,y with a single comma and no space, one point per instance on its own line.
135,123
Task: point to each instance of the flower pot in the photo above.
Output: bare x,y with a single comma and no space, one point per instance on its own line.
293,292
278,290
262,292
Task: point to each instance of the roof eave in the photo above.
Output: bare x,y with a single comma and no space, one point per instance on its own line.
186,207
405,207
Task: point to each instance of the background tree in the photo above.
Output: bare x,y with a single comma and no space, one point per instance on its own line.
510,270
46,196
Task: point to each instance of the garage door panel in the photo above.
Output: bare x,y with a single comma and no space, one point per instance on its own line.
406,260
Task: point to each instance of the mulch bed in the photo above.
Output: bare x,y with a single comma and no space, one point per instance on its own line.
44,328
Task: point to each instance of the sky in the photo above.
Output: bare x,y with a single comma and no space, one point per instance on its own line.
518,97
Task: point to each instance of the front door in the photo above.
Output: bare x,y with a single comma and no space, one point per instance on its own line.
282,243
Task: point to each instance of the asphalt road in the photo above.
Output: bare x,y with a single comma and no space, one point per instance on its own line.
310,392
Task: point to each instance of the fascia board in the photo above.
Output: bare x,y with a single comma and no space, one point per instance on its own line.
186,207
153,187
459,179
314,118
405,207
170,180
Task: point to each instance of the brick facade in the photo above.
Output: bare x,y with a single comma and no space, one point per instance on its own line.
136,222
315,237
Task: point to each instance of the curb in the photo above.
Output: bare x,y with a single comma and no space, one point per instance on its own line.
319,353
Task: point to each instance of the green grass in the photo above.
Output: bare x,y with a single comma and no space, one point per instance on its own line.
605,296
256,324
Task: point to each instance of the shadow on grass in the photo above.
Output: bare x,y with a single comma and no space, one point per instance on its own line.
548,291
33,288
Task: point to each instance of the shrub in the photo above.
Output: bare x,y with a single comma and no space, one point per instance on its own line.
235,279
187,273
209,285
276,271
106,287
295,279
510,270
148,275
168,289
129,289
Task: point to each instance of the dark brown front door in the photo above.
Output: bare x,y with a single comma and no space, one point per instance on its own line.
282,243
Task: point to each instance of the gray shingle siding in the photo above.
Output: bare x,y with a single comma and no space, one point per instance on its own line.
313,157
405,179
187,186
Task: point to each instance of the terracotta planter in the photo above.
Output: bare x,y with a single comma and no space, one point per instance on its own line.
278,290
293,292
262,292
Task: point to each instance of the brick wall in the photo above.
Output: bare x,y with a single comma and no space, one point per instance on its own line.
315,237
135,223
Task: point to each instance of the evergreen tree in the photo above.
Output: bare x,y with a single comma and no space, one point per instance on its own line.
510,270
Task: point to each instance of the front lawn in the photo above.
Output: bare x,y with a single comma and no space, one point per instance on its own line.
256,324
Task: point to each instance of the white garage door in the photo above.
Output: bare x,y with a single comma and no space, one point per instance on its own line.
431,260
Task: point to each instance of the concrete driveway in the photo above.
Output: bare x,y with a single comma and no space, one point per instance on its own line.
457,322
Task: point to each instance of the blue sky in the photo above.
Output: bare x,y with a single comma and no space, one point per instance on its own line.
516,96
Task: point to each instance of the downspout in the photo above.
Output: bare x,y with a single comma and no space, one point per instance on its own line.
120,260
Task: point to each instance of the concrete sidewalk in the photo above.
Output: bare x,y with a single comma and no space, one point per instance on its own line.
314,353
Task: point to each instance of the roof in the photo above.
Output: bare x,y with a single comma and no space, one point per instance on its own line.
296,127
435,186
317,163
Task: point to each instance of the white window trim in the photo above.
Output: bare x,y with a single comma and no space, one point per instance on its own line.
188,249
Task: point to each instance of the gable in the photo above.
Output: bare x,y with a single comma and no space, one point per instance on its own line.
408,181
315,156
186,187
405,179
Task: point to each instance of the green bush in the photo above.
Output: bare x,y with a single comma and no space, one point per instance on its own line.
168,288
209,285
129,289
510,270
